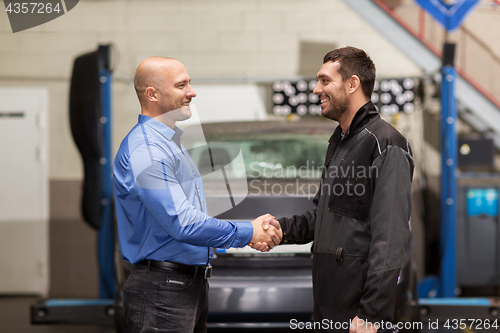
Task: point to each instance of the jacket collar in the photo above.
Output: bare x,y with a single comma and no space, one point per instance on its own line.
366,113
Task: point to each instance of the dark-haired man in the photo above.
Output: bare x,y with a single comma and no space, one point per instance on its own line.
360,227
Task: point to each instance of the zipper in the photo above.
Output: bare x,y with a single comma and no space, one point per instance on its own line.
177,282
337,150
325,203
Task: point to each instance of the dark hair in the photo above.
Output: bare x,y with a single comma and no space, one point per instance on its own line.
354,61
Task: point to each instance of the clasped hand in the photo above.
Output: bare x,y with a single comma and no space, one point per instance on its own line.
266,233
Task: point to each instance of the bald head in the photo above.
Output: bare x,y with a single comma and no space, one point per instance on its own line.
163,86
151,73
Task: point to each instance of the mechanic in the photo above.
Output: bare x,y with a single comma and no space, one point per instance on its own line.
163,227
360,236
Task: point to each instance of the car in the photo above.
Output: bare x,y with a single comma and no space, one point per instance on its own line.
270,167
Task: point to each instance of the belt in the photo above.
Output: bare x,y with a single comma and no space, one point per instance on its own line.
193,270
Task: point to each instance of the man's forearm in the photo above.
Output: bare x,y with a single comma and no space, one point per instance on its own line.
299,229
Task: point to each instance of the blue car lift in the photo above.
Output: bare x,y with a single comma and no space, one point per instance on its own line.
106,232
437,295
93,311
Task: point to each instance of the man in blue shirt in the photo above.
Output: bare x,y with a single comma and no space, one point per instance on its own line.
163,227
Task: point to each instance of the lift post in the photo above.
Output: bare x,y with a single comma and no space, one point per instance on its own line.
448,174
106,244
90,120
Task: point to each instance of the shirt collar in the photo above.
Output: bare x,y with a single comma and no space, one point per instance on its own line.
160,127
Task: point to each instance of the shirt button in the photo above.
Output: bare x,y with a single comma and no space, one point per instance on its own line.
239,245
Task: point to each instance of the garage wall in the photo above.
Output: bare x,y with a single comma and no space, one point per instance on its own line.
217,38
212,38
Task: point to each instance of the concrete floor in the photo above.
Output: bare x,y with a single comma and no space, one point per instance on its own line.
15,318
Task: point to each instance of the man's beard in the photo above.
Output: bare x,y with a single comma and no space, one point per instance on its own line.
338,106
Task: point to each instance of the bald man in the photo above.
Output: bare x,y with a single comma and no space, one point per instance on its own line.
163,228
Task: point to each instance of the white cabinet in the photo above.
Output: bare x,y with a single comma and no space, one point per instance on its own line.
24,237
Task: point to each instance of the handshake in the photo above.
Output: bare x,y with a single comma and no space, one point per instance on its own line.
267,233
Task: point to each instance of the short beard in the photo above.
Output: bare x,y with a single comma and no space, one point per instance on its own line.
339,108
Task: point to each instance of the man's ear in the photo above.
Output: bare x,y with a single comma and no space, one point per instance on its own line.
151,94
354,83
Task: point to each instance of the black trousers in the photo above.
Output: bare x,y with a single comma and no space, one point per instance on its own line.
160,300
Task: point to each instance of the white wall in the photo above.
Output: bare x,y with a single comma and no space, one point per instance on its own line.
258,38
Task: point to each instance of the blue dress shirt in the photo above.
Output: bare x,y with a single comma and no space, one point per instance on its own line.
160,201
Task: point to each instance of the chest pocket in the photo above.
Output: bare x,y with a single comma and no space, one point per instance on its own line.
351,190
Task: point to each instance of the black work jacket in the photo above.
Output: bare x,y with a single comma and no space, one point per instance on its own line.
360,227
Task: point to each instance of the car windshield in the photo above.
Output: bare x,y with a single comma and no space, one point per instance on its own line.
280,156
273,151
260,159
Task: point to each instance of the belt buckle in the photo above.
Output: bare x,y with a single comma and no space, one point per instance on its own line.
208,272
